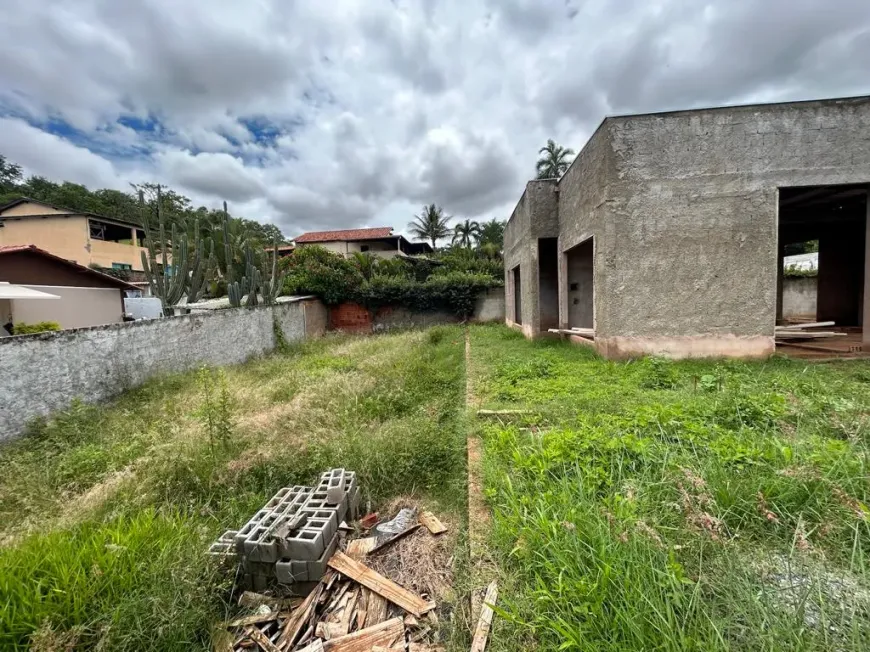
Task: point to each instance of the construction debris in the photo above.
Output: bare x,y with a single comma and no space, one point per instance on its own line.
784,334
581,332
481,633
292,537
432,523
395,538
351,607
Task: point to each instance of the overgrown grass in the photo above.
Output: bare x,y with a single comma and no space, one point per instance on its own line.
654,505
107,511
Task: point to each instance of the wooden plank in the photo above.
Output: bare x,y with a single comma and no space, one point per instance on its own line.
315,646
293,626
385,634
481,634
370,579
328,631
501,413
809,335
252,619
432,523
394,538
815,324
261,639
376,608
359,548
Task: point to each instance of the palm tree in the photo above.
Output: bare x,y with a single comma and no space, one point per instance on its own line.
492,232
554,162
365,263
466,232
430,225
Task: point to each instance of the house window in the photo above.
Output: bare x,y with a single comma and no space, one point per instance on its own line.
364,248
121,266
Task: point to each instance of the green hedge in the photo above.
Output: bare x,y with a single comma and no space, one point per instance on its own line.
373,284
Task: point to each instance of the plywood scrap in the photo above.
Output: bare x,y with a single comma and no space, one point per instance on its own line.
328,631
432,523
252,619
261,639
386,634
379,584
359,548
315,646
394,538
376,608
481,633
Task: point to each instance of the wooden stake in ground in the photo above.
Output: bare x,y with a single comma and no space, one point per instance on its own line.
370,579
481,634
432,523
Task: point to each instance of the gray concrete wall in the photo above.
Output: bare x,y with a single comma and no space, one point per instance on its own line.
45,372
535,216
490,306
580,286
799,294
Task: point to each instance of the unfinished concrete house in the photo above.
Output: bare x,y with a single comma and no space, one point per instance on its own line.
666,235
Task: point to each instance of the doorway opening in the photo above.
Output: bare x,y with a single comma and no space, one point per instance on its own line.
820,263
548,283
518,295
581,304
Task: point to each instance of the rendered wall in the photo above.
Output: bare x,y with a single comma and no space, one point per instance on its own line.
43,373
76,308
799,296
683,208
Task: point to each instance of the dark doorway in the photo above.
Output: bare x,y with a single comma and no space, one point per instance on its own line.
580,285
548,282
835,217
518,296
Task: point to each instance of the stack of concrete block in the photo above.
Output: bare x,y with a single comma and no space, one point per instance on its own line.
291,539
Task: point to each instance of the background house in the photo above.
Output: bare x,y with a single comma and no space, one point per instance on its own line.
86,238
87,297
380,241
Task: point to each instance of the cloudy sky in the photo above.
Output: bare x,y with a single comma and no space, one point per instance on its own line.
328,114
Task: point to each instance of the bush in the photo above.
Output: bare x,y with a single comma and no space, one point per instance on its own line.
315,270
454,292
40,327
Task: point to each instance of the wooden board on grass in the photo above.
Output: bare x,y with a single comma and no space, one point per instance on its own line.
432,523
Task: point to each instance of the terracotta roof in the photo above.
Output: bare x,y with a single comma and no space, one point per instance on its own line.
348,234
33,249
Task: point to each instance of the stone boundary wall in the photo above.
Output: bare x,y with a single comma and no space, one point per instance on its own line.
800,297
43,373
353,318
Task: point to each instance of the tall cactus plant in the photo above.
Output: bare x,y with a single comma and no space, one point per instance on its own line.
272,284
167,283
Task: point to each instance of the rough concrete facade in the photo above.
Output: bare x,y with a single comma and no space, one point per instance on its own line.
45,372
682,211
799,298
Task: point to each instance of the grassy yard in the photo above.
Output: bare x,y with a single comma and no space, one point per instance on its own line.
654,505
106,512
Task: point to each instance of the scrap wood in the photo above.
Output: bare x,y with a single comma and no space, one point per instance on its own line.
376,608
369,520
251,599
432,523
815,324
261,639
809,335
315,646
295,623
364,575
328,631
385,634
252,619
501,413
394,538
359,548
483,624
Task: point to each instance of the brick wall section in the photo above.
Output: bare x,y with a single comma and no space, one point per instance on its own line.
45,372
350,318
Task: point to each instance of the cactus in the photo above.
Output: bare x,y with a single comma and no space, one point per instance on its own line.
202,268
272,284
169,284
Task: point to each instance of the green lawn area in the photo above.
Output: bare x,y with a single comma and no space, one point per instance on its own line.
106,511
645,505
654,505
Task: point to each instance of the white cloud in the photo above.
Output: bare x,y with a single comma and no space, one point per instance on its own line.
354,112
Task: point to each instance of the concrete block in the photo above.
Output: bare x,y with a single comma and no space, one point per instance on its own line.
277,499
302,588
260,545
257,568
334,486
317,568
303,544
248,528
288,571
223,550
325,520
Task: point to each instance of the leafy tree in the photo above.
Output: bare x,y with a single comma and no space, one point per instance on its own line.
466,233
554,162
10,175
430,224
492,232
365,263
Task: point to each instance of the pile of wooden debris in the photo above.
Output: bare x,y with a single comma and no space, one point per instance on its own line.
353,608
787,334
